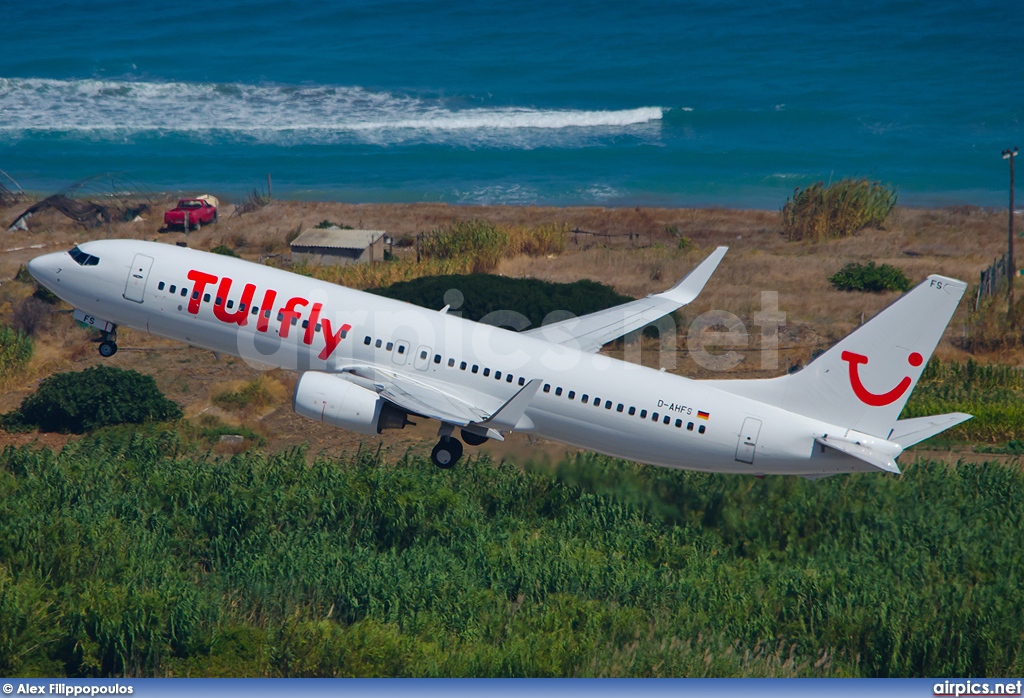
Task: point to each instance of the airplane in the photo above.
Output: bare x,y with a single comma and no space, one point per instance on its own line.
369,363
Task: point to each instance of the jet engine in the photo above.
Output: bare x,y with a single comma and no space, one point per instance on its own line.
335,401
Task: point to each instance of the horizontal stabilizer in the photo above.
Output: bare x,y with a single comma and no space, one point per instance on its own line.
868,455
592,331
908,432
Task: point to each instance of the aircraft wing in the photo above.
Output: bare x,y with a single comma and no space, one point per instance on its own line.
431,401
593,331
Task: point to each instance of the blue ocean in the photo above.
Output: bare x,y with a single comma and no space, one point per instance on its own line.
731,103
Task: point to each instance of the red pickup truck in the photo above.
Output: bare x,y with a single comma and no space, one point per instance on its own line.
201,210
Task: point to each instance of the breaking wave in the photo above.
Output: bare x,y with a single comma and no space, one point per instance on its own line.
276,113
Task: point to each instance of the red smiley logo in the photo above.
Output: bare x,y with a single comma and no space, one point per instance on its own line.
865,395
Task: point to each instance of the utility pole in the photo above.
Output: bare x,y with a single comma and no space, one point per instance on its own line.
1010,154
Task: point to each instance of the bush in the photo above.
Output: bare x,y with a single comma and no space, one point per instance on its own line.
485,244
96,397
486,294
224,250
15,351
868,277
253,394
837,210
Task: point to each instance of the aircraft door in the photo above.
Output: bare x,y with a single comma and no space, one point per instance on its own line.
748,440
400,353
422,360
135,289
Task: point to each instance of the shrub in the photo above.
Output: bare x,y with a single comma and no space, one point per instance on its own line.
15,351
31,315
483,244
96,397
837,210
486,294
224,250
253,394
868,277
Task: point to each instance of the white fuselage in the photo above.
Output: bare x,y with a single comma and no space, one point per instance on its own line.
588,400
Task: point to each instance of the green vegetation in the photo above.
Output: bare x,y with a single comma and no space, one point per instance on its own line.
96,397
324,224
486,244
868,277
837,210
224,250
499,297
253,395
994,394
15,351
131,555
23,276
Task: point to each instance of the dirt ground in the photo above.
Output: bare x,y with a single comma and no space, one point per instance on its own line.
956,242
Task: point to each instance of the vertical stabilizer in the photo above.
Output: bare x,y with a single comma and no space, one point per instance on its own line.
864,381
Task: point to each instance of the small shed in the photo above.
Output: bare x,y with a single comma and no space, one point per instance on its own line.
336,246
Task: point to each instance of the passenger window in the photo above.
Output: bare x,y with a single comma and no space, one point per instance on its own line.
231,304
558,391
451,363
160,286
572,394
206,298
378,344
700,429
654,417
689,426
487,372
475,368
632,411
437,358
607,404
643,414
390,346
317,329
522,381
295,321
344,333
423,354
597,402
620,407
195,295
367,341
218,301
462,366
241,306
508,378
174,289
497,375
547,387
679,423
280,317
585,398
184,292
305,324
266,314
401,348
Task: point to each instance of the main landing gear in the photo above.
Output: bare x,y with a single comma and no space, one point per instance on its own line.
447,452
108,347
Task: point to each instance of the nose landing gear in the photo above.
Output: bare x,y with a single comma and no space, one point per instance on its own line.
108,347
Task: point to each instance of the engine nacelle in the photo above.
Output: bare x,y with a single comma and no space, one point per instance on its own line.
336,401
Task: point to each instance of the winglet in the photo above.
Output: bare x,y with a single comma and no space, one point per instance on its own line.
507,417
692,284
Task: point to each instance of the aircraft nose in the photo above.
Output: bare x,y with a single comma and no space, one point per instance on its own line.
43,269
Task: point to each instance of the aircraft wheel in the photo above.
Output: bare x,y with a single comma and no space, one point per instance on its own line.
447,452
473,439
108,349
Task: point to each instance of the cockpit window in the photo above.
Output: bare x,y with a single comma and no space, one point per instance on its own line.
84,259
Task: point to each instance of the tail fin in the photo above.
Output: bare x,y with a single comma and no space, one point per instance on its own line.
864,381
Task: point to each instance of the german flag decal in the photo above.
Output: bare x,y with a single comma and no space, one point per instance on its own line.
702,415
